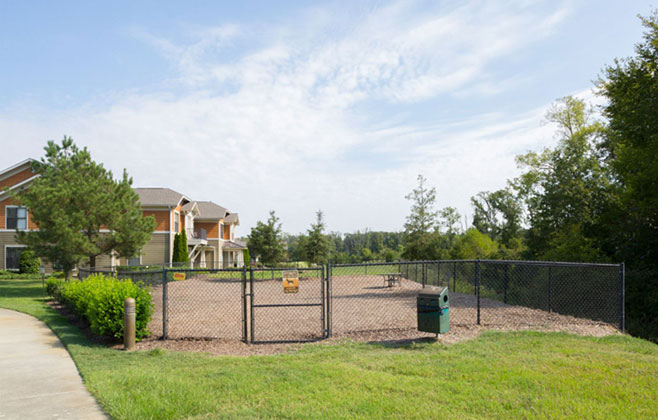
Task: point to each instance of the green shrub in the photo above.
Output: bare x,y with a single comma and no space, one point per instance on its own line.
52,287
105,310
100,299
76,295
16,275
246,256
29,263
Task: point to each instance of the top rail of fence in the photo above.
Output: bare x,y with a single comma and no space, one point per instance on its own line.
488,261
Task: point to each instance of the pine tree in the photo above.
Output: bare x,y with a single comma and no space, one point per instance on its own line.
421,223
183,256
81,211
317,244
176,251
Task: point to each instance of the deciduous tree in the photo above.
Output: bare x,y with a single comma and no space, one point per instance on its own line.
631,89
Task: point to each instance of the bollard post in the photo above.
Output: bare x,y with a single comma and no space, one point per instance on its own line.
42,271
129,324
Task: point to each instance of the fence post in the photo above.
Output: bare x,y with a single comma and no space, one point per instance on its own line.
438,273
251,303
477,286
506,282
324,308
416,275
550,288
244,304
454,276
329,301
622,297
423,273
164,303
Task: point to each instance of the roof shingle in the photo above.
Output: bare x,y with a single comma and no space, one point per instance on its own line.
160,197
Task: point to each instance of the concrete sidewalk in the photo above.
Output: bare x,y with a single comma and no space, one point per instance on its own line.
38,379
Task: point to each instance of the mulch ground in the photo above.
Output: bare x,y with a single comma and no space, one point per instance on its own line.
205,314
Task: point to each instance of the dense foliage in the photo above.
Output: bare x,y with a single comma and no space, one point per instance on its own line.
316,243
29,263
80,209
100,301
180,254
265,241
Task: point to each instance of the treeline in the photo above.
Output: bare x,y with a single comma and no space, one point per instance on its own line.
591,198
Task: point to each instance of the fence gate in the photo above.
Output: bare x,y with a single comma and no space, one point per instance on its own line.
287,305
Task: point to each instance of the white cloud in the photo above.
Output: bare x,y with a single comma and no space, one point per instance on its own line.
275,127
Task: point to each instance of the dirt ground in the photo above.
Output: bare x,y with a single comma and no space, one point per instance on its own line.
205,314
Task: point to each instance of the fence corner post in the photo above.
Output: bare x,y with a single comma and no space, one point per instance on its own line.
328,297
477,286
622,297
164,303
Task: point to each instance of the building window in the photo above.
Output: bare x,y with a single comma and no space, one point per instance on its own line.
176,222
135,261
16,217
221,231
12,255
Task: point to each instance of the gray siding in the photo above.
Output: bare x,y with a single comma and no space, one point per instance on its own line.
6,238
9,238
156,250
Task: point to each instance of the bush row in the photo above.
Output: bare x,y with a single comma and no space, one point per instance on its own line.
99,300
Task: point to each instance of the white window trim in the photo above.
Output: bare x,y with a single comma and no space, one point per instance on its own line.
176,218
5,262
27,216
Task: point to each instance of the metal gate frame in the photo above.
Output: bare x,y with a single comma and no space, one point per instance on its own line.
249,306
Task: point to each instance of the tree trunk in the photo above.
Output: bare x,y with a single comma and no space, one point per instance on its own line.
92,263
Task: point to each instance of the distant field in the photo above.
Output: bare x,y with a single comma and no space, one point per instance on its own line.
497,376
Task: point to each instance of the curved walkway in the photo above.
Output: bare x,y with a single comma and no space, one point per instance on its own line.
39,378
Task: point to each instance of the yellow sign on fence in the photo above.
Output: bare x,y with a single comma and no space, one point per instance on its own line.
290,281
179,276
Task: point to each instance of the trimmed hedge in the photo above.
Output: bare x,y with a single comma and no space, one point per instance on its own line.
99,300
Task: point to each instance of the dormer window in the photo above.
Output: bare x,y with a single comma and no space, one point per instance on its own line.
16,217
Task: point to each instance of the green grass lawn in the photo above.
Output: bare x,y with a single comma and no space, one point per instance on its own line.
500,376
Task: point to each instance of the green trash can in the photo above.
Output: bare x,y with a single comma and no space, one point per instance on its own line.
433,305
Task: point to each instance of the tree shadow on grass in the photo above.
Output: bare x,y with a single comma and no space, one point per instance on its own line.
22,288
408,344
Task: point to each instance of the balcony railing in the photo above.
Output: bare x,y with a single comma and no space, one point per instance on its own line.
199,234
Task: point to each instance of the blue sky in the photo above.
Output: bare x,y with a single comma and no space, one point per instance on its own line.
300,106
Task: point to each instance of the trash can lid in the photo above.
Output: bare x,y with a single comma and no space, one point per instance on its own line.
433,291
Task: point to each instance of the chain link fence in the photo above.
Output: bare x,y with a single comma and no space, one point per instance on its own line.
277,316
380,298
376,299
